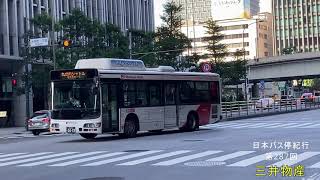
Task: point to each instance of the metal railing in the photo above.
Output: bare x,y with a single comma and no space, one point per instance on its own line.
256,107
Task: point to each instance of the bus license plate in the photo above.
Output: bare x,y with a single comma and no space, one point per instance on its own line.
71,130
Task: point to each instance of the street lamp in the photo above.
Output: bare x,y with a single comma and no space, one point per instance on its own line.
244,54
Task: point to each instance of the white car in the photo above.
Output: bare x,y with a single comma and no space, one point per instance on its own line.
264,103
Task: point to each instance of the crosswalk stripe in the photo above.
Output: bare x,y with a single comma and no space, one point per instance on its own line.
12,154
317,165
270,125
121,158
88,159
231,156
24,156
282,125
62,158
220,124
312,126
236,125
245,126
35,159
301,157
152,158
185,158
299,125
257,125
254,160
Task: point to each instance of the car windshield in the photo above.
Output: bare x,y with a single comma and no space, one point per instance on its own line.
39,115
75,100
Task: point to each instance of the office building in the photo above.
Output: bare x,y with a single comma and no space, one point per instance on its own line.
296,25
15,18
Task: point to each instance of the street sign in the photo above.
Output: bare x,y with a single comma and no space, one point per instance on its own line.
38,42
261,85
206,67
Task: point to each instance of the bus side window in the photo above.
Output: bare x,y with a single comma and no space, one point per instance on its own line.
154,94
170,94
214,91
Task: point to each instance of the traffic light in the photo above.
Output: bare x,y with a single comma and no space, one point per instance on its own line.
67,43
14,82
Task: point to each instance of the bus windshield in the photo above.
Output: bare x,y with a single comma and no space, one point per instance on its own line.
75,100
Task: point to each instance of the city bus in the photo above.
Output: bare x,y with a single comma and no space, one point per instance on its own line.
122,96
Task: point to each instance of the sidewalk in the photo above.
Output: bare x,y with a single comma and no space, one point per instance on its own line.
13,131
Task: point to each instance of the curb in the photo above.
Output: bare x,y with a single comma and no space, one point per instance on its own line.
266,114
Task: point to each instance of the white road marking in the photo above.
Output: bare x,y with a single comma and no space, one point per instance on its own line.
152,158
301,157
185,158
231,156
253,160
13,154
107,161
36,158
312,126
24,156
284,124
299,125
63,158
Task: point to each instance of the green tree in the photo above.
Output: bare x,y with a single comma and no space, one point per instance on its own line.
170,42
217,50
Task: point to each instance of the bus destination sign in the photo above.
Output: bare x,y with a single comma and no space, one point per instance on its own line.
72,75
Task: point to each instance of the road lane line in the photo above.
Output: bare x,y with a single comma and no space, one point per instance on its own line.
235,125
299,125
283,125
36,158
220,124
231,156
317,165
256,125
185,158
121,158
254,160
62,158
88,159
312,126
13,154
152,158
24,156
301,157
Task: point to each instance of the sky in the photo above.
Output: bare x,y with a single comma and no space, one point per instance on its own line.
265,6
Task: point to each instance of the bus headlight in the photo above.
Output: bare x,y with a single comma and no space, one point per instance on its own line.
91,125
55,125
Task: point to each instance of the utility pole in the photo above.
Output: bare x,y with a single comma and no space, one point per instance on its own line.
53,43
26,66
130,44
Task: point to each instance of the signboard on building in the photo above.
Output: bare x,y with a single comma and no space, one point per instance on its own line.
229,9
38,42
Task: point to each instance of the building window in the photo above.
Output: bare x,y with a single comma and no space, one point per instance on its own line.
235,36
265,36
266,45
266,54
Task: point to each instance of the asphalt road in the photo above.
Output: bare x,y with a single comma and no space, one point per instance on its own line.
223,151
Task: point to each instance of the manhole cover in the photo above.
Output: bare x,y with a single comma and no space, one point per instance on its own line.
136,150
193,140
105,178
205,163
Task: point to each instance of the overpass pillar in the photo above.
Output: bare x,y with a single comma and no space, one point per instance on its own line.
255,90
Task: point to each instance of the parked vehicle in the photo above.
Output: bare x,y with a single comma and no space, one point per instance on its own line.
264,103
307,97
288,100
39,122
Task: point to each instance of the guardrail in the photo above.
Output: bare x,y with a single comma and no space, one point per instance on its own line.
265,106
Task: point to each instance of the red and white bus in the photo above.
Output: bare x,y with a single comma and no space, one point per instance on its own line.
121,96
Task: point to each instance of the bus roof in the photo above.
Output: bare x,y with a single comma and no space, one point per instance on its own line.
131,66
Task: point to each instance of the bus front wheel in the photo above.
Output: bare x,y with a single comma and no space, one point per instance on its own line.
88,136
130,129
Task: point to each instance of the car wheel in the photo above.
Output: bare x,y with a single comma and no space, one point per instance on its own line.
36,132
88,136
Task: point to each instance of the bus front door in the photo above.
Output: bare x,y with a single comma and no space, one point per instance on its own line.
110,122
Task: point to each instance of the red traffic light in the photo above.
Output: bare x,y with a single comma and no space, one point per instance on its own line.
14,82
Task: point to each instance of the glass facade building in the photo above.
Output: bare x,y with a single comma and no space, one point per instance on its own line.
296,25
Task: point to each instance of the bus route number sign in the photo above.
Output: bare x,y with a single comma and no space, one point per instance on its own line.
73,75
206,67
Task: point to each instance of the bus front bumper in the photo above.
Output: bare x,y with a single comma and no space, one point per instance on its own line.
76,127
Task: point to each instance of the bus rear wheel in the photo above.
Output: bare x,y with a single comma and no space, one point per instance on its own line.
192,123
130,129
88,136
